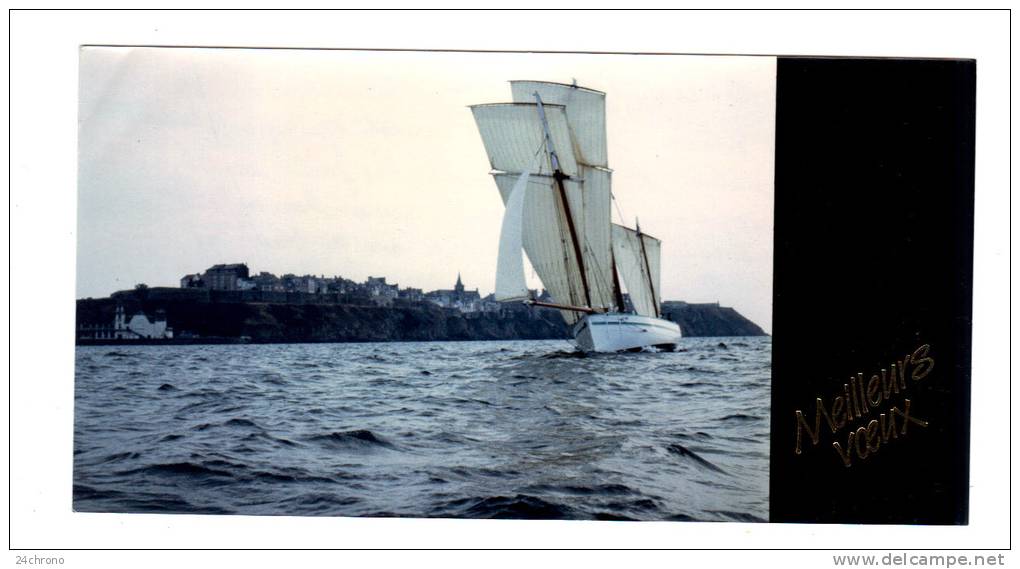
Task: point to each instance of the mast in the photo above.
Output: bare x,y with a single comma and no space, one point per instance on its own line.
559,176
648,266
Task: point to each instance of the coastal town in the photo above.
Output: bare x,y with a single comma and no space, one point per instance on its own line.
231,303
374,291
235,282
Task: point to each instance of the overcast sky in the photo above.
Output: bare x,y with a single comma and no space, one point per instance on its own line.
369,164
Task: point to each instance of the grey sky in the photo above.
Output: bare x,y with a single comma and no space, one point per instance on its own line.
369,163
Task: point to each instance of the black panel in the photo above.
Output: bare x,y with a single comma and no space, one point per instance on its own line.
873,259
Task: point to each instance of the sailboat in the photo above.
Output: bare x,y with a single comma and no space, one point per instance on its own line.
548,156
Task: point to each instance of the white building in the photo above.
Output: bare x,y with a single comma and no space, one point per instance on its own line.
140,326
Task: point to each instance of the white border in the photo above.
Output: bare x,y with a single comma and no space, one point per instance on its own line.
43,181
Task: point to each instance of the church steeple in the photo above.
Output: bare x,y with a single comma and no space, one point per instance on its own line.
459,287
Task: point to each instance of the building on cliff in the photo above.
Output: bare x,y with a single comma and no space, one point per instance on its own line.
376,291
225,277
192,281
457,297
267,282
381,292
410,294
237,277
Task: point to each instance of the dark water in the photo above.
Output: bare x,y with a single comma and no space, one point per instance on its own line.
450,429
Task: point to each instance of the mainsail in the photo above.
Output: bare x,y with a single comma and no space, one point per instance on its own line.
586,115
558,247
637,258
510,282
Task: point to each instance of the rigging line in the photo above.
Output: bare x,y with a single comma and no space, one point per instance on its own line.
534,157
623,220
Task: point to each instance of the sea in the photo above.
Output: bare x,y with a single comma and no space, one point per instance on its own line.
508,429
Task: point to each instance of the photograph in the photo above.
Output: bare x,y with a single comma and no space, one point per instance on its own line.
424,284
689,287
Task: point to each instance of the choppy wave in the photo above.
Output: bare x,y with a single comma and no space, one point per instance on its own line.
520,507
360,438
521,430
681,450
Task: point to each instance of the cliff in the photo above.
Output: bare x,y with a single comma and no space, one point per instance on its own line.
709,320
199,316
305,322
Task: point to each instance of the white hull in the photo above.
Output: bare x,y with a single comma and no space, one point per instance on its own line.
619,332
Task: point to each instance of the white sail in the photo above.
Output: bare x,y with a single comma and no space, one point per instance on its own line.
510,281
653,250
562,218
592,205
514,141
585,110
513,136
637,259
546,238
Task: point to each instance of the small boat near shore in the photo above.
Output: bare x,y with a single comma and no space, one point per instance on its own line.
548,156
